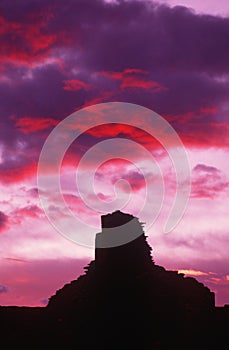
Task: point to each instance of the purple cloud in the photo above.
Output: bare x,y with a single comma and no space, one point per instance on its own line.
206,169
3,289
172,46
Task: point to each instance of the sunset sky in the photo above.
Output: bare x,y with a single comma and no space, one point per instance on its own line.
57,57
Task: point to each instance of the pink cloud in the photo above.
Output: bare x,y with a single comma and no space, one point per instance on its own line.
3,221
104,197
21,214
76,204
134,178
207,6
208,182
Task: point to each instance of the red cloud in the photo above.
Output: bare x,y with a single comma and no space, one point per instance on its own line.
120,75
18,173
103,97
209,110
122,130
75,85
133,78
140,83
195,128
6,26
29,124
28,42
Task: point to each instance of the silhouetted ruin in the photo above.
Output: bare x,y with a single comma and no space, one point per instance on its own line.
123,301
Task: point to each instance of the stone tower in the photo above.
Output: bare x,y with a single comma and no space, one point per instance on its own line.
122,244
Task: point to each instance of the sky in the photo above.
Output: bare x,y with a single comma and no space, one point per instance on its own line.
59,57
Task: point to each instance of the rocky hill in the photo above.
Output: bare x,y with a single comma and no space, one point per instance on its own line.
123,300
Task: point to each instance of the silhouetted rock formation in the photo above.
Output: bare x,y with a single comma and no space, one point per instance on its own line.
124,300
126,296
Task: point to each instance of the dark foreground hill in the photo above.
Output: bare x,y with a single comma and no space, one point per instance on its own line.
123,301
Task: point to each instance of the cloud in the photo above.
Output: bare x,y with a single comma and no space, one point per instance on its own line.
208,182
154,65
26,42
3,289
190,272
209,6
17,173
134,78
216,281
44,301
202,168
30,125
135,179
3,221
30,211
123,131
56,59
19,160
75,85
76,204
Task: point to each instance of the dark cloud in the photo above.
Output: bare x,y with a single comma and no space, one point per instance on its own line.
56,58
45,301
3,289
